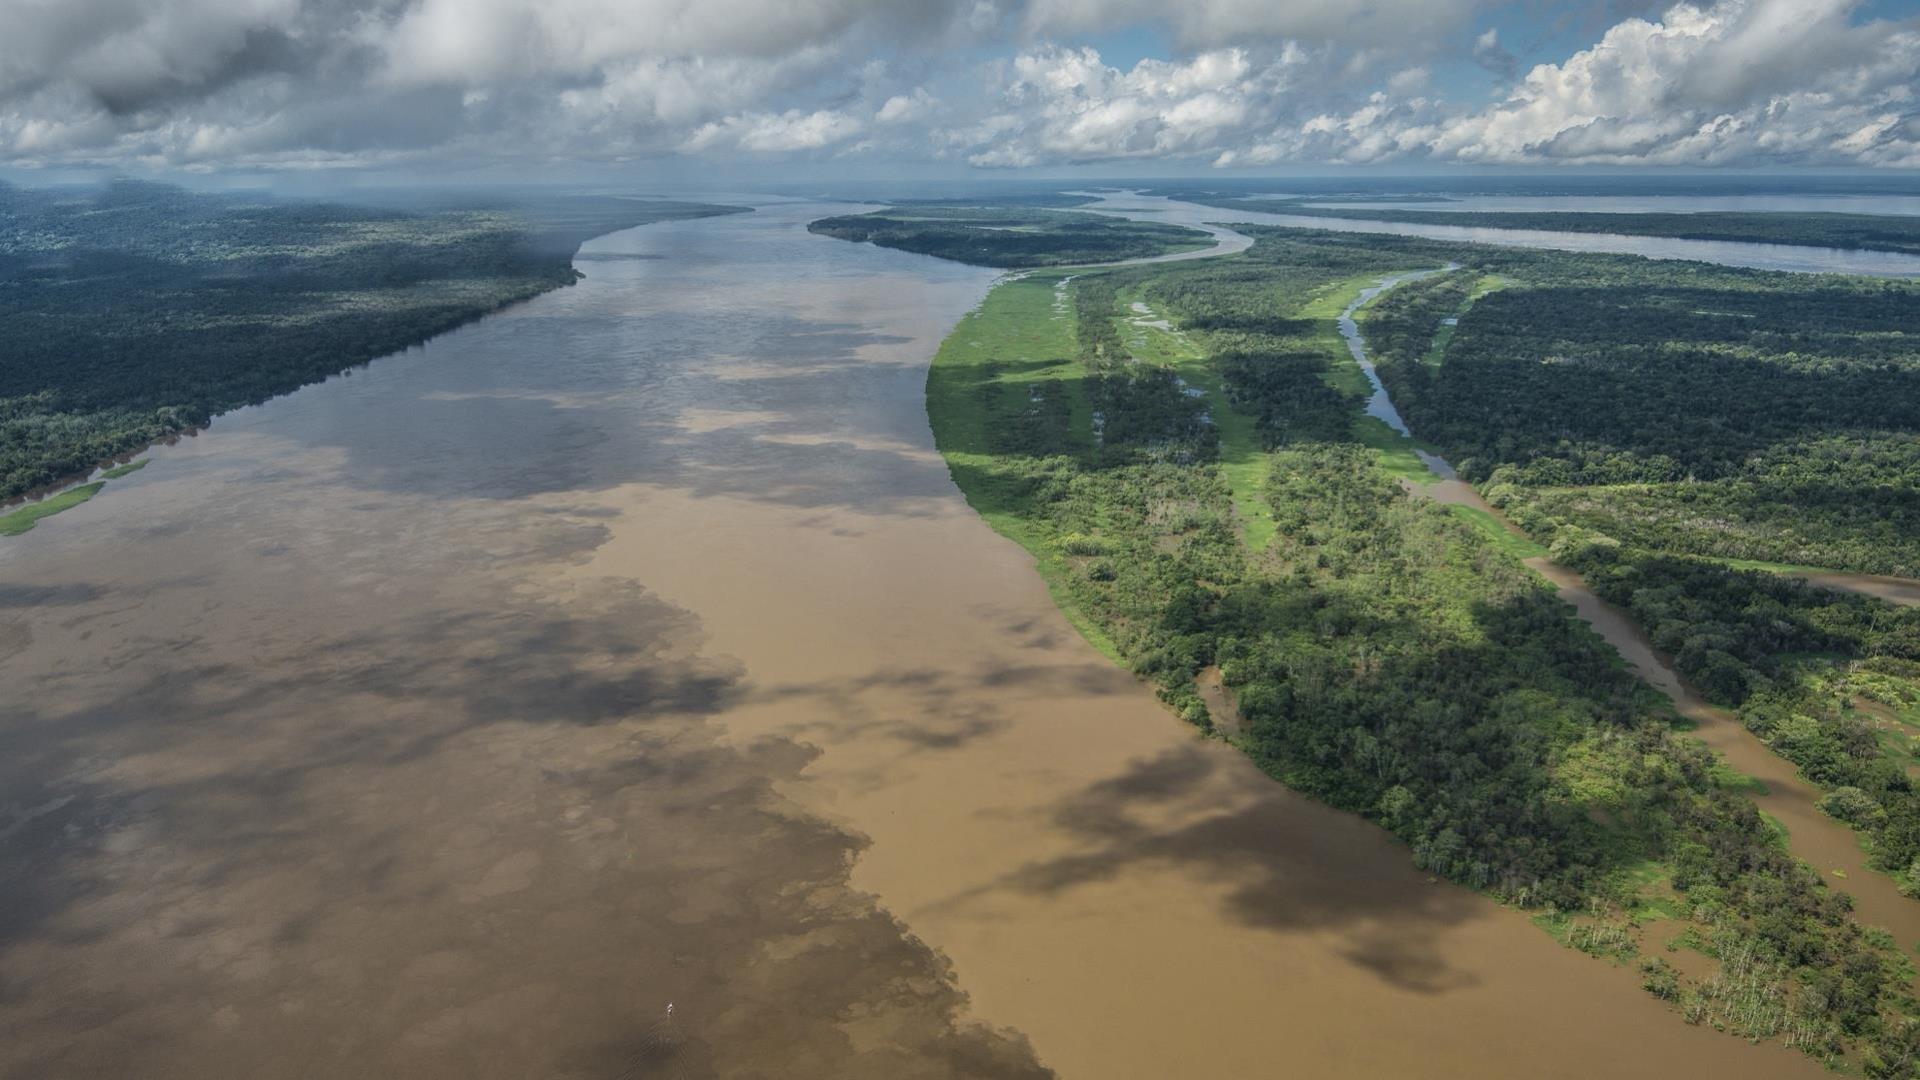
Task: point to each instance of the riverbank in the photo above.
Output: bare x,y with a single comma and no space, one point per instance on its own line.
1758,256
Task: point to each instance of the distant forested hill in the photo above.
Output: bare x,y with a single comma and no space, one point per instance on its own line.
1011,236
135,312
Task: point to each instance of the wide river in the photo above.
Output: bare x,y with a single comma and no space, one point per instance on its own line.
1790,257
1888,205
619,687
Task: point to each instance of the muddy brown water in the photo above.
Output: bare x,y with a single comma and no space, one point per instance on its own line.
633,648
1827,845
1894,590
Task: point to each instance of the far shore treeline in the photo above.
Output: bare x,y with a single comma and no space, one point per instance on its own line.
139,311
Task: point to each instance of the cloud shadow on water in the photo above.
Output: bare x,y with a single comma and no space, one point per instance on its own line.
828,413
489,837
1285,865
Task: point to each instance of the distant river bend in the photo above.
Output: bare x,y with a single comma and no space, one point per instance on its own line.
1785,257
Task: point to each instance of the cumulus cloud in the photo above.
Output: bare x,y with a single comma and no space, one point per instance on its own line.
127,52
771,133
901,108
1734,83
1254,82
259,81
1742,81
1067,105
484,40
1739,82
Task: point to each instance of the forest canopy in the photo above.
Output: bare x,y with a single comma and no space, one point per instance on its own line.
1736,414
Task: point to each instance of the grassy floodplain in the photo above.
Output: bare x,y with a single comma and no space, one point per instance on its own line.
971,389
26,517
15,522
1205,495
1485,284
1243,461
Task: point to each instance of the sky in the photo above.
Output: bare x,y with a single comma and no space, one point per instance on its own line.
974,87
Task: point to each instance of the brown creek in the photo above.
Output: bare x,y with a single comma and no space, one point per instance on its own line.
632,648
1894,590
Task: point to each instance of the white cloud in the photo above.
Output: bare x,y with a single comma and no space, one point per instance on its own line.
306,82
1741,81
901,108
260,81
1067,105
771,133
479,40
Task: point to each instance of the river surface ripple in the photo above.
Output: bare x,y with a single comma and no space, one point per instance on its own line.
631,648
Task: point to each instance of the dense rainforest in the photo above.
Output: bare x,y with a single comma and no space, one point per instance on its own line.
1204,497
1726,413
139,311
1011,236
1675,432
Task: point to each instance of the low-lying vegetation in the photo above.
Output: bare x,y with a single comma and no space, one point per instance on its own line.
17,521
